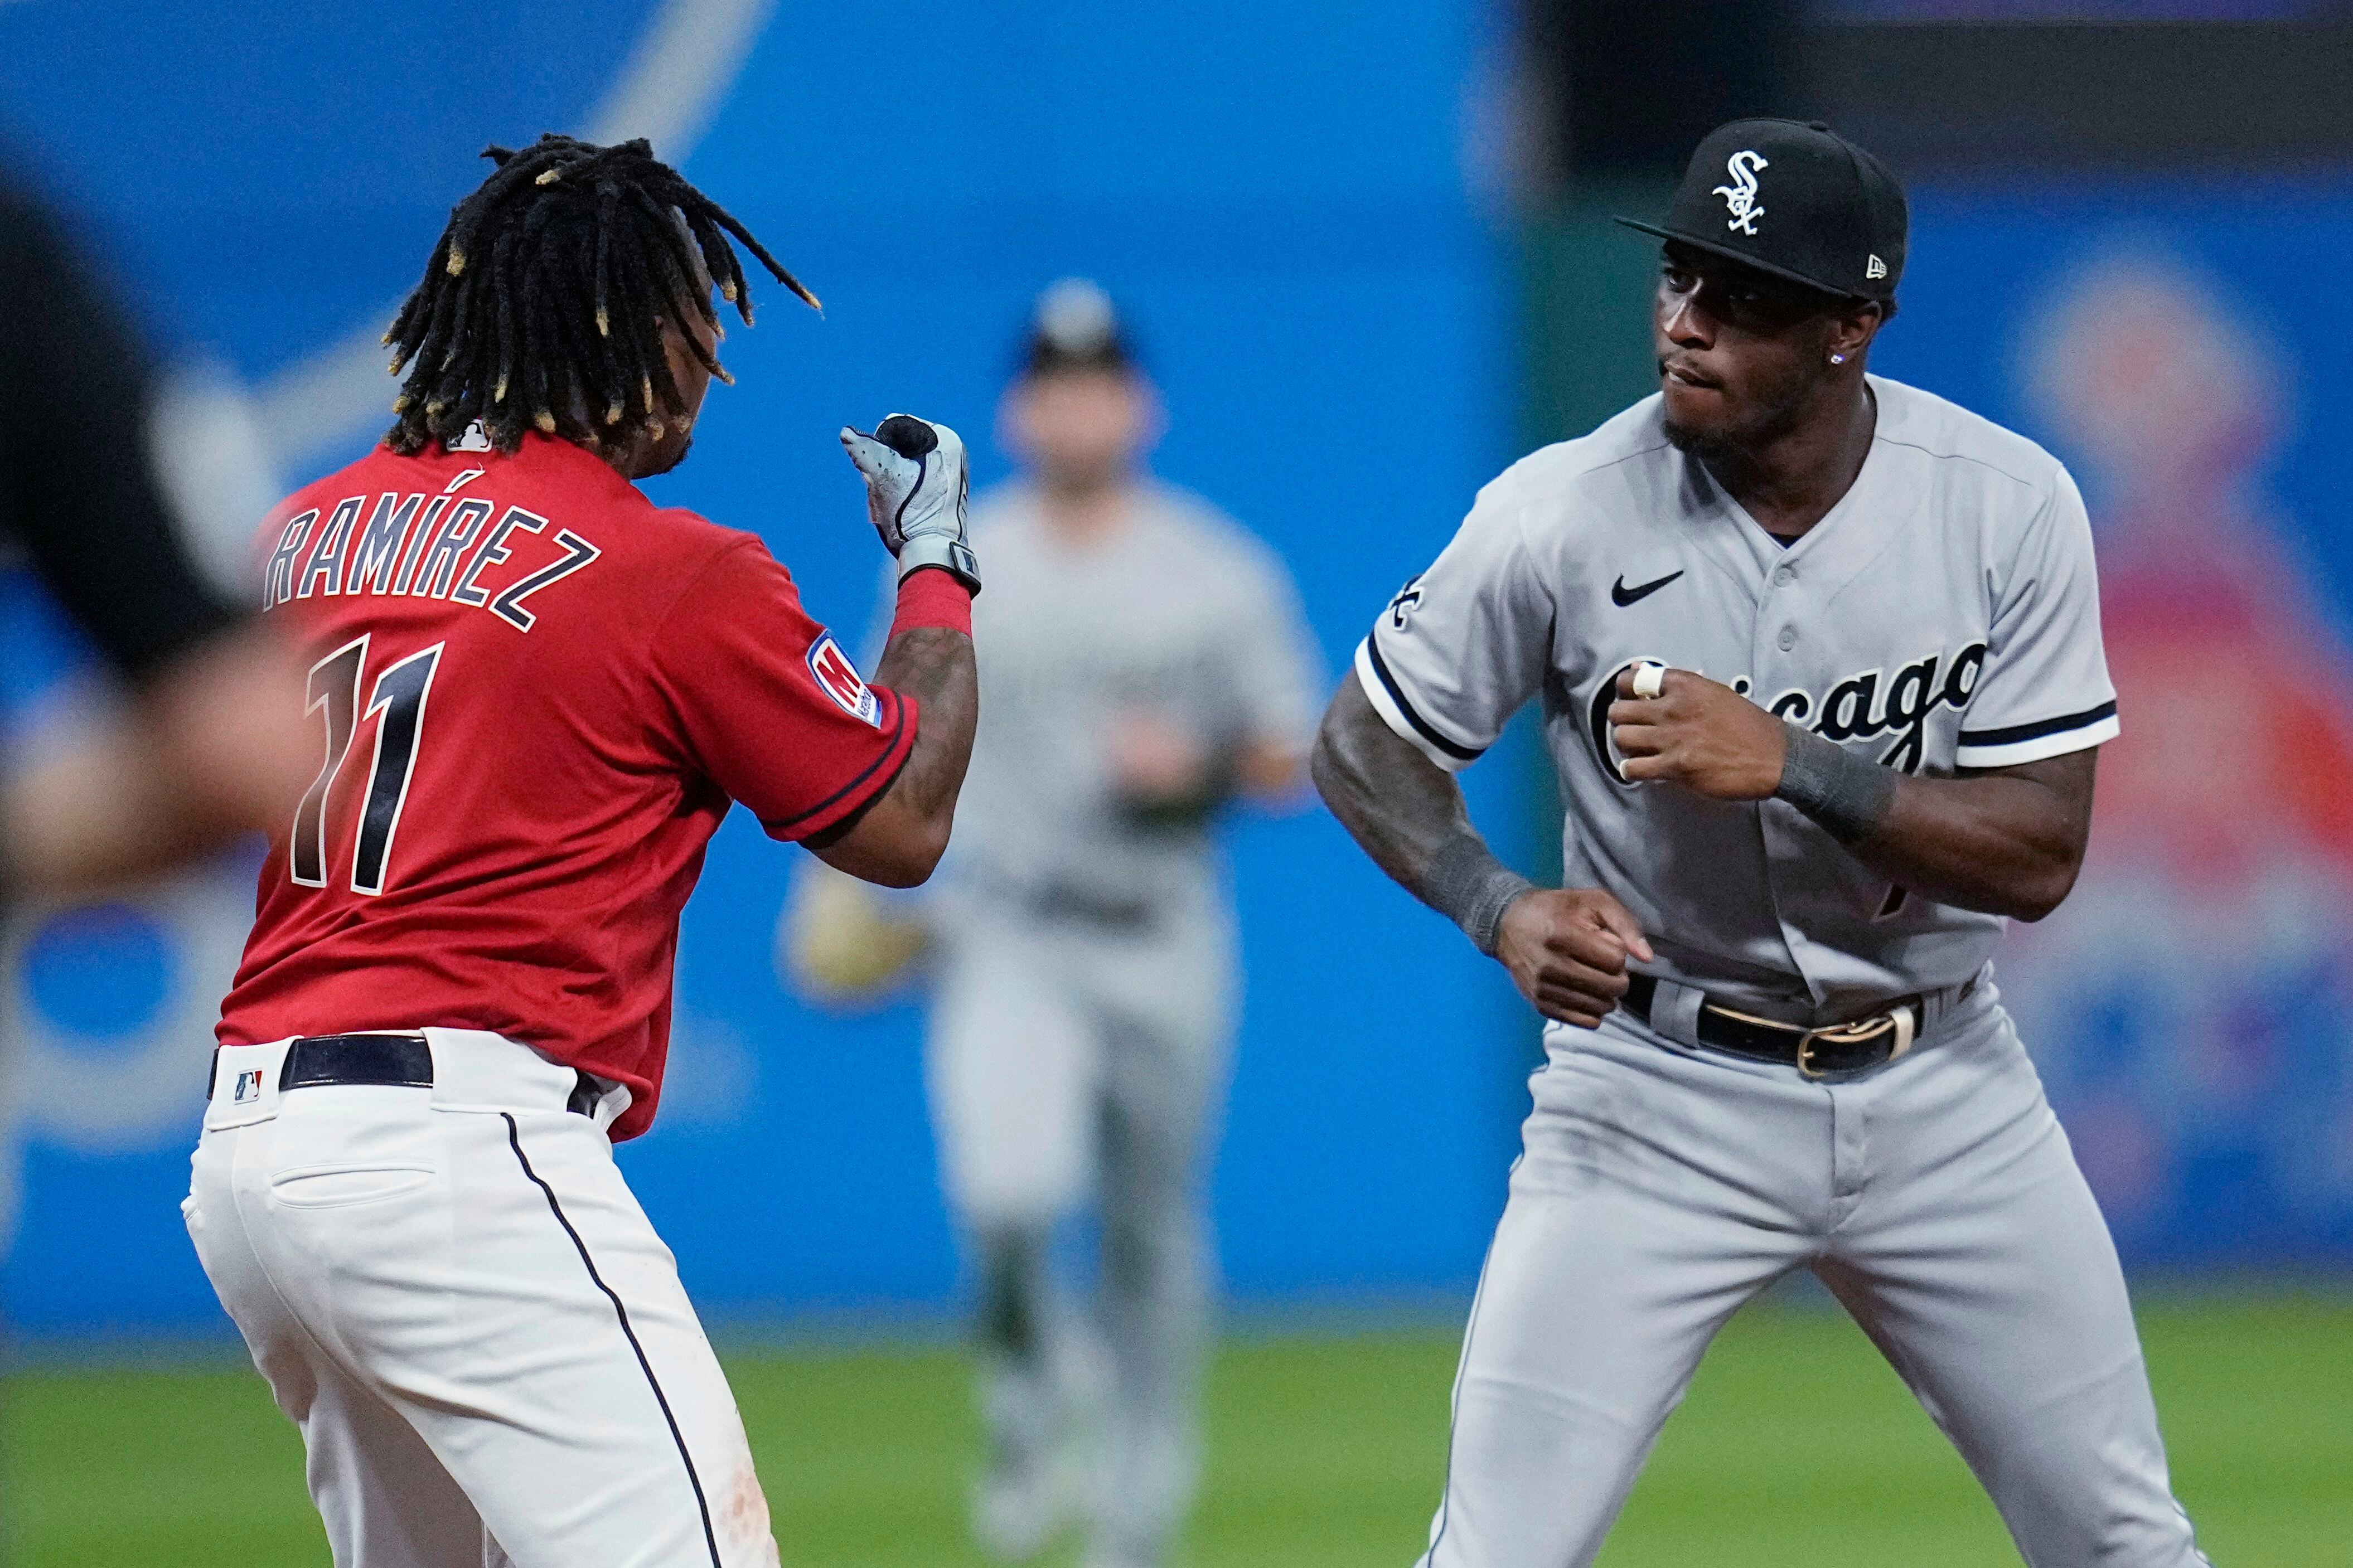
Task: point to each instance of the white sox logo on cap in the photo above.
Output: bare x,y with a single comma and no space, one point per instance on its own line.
1740,196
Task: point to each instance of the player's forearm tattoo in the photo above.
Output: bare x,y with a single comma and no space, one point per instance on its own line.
935,666
1409,816
1847,795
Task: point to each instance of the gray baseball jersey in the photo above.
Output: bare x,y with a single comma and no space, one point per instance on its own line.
1943,616
1182,614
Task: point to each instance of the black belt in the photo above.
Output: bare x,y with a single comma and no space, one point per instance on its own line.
1071,903
390,1061
1830,1051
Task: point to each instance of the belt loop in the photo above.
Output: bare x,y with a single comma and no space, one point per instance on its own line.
1674,1013
1936,1005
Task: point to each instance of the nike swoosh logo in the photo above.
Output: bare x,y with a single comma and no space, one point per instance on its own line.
1622,596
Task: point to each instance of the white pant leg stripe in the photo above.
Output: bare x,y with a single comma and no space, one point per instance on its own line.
514,1140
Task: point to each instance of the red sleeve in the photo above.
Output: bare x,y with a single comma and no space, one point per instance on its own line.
767,703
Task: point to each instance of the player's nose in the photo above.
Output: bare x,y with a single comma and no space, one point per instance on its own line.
1684,322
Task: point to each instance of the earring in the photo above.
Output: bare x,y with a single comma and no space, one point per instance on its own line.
1838,359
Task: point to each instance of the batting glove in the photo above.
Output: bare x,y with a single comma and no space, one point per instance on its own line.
915,486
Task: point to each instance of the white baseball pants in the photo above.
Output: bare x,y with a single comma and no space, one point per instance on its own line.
1663,1186
1069,1066
453,1294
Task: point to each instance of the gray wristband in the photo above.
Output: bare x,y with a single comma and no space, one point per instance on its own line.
1470,887
1848,796
947,552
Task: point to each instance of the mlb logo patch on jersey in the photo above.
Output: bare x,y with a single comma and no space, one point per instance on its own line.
248,1088
838,678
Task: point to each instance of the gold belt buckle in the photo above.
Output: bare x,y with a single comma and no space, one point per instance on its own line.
1862,1031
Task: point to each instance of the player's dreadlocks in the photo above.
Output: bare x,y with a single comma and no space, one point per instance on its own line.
542,303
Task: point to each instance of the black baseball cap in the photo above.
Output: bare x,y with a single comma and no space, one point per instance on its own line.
1794,199
1073,326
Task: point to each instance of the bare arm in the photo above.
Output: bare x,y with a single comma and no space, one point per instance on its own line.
1269,769
1166,773
2006,842
1565,948
915,490
899,838
1401,809
212,747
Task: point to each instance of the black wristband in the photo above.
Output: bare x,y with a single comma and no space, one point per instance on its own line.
1848,796
1470,887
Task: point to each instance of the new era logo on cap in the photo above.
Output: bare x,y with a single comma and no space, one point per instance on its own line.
1877,268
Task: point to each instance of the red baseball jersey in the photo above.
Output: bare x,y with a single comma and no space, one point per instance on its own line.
536,693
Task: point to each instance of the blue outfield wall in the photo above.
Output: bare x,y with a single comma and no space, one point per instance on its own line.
1276,192
1279,193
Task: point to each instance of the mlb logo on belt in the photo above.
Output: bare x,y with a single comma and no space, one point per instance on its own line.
248,1088
838,678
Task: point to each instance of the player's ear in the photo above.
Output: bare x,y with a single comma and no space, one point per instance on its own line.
1853,328
1873,315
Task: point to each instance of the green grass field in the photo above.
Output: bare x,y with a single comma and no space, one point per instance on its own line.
1796,1447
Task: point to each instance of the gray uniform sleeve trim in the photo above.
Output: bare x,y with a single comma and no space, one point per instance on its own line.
2018,743
2017,733
1390,697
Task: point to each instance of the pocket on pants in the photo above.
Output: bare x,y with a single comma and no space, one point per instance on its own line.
343,1186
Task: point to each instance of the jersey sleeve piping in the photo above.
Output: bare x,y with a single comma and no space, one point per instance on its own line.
1397,711
2016,743
872,781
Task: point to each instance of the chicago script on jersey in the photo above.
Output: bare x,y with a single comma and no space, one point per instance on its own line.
1859,708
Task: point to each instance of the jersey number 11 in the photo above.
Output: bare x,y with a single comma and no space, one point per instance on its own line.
398,701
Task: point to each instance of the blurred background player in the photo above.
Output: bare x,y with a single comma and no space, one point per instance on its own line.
210,743
1147,664
205,743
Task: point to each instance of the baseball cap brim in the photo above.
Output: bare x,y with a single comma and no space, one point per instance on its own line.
1716,248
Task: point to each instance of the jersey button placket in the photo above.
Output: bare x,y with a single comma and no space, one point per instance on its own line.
1786,852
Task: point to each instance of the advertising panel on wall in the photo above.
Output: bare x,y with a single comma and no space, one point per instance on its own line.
2187,1005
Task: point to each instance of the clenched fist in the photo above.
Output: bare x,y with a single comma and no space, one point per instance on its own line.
1702,735
916,487
1566,951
